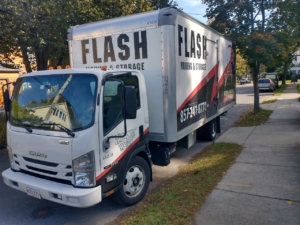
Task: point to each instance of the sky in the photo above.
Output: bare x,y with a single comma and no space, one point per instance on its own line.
194,8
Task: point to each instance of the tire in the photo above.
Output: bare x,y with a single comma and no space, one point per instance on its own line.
135,184
211,130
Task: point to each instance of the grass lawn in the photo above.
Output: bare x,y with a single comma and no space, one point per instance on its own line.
252,118
269,101
179,199
280,90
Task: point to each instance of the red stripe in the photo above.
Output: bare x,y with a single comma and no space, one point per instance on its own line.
222,79
120,156
215,87
117,160
200,85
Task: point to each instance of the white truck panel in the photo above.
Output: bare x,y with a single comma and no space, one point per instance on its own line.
120,146
180,85
191,70
201,58
149,62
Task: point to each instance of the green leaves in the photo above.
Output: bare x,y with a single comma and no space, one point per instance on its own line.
40,28
266,32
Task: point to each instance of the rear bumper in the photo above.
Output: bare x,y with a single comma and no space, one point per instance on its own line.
265,88
53,191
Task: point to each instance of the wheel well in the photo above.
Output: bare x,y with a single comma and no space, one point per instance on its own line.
145,156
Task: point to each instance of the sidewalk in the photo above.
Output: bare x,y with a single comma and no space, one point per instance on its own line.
263,185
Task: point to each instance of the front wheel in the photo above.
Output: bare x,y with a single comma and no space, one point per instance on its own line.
135,184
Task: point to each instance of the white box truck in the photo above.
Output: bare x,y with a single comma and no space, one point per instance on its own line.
75,136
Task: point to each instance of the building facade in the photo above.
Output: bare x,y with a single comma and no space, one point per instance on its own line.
296,62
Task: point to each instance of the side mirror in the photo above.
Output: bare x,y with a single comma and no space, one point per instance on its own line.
130,102
6,100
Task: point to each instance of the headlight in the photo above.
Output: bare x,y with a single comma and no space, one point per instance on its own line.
84,170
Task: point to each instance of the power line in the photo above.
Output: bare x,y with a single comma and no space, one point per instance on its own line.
195,14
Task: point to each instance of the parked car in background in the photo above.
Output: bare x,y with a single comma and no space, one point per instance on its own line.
244,81
274,77
265,84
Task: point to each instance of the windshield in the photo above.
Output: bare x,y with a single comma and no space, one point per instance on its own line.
67,100
273,76
264,81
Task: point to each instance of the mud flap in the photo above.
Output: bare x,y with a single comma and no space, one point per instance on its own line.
160,155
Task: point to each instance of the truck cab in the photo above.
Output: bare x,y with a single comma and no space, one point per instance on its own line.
72,135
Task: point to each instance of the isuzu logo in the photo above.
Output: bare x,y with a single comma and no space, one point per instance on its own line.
38,154
63,142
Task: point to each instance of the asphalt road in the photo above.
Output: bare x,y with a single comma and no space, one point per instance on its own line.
18,208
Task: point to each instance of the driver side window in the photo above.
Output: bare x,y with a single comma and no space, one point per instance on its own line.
112,105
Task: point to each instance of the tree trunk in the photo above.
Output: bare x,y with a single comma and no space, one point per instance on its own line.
26,60
60,60
255,68
41,57
284,72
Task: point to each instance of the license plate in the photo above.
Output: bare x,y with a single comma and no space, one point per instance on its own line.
33,192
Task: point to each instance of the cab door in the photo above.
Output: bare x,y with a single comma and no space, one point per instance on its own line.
120,138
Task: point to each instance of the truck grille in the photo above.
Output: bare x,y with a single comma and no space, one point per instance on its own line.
41,170
44,163
44,169
46,177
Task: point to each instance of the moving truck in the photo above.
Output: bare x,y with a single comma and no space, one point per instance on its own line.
138,85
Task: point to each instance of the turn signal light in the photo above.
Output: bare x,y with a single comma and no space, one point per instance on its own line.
109,193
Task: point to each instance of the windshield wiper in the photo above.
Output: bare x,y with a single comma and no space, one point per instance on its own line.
23,123
61,127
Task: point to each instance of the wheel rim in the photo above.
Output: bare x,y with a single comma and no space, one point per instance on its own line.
134,181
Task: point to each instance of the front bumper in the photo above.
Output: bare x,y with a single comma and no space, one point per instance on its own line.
50,190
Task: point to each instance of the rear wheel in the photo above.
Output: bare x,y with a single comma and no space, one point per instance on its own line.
211,130
135,184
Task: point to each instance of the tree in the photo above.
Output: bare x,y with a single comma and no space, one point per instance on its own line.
285,26
117,8
241,66
245,22
40,28
159,4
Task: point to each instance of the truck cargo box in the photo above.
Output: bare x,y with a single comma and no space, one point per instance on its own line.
188,66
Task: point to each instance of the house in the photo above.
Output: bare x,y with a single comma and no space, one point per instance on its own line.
296,62
7,76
